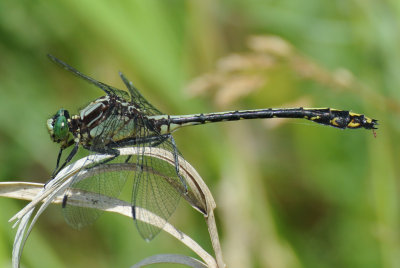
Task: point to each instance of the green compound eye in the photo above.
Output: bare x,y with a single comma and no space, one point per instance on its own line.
61,128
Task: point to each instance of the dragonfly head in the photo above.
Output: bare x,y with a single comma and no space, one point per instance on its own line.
58,127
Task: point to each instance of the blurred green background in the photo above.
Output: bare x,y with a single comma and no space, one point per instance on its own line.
289,193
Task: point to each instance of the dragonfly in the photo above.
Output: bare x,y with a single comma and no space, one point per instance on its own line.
126,119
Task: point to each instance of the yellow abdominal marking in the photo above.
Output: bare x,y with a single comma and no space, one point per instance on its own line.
352,124
369,120
334,123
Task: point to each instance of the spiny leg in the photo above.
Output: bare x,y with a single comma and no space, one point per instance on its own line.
71,142
110,151
153,140
176,159
69,158
58,160
157,142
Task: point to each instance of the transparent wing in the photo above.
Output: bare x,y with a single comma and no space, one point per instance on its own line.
109,90
97,186
138,99
157,187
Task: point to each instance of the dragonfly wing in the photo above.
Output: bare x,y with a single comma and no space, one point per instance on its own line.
102,182
138,99
109,90
157,188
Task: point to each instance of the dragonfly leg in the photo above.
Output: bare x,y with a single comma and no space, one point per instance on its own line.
54,171
69,158
110,151
177,163
159,140
58,159
153,140
128,158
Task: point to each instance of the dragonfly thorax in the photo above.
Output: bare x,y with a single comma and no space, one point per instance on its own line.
94,121
95,113
91,125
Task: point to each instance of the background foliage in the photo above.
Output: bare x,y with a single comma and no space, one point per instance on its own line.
289,193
